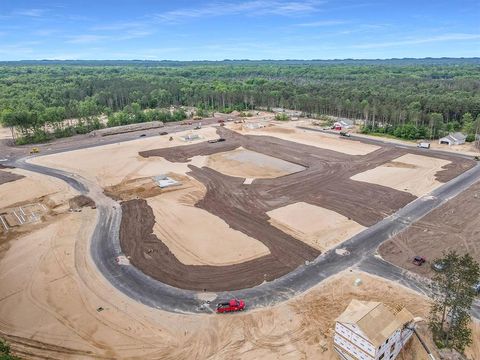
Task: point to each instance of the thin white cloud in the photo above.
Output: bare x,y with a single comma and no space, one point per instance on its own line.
416,41
86,39
45,32
253,7
321,23
31,12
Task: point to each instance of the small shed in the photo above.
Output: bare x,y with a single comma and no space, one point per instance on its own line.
453,139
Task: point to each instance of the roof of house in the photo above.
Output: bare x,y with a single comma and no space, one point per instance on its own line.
346,121
458,136
375,319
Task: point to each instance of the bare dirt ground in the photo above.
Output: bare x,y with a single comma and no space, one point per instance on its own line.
32,186
316,226
323,141
195,236
126,168
54,303
52,307
80,201
467,148
404,172
249,164
452,226
324,182
120,162
8,176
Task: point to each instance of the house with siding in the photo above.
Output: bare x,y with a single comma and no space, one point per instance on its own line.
369,330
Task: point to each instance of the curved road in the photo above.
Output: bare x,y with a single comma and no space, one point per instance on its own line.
105,247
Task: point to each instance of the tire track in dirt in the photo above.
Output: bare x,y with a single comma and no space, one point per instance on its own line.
325,182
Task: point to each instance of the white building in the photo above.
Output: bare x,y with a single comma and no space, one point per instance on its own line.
344,124
369,330
453,139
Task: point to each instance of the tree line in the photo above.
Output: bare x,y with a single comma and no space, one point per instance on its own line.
406,99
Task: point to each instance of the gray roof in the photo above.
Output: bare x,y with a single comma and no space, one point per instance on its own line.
458,137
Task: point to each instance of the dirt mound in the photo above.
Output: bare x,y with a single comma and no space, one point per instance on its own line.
81,201
144,187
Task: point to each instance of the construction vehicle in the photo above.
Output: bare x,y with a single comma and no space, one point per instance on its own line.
231,306
34,150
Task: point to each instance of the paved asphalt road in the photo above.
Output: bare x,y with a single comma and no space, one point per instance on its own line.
105,248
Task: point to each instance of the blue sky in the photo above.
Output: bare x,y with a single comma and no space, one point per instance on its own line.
229,29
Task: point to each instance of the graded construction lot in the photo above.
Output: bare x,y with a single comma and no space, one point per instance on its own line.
452,226
211,231
245,210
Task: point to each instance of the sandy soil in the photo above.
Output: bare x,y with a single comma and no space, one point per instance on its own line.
318,227
320,140
467,148
415,174
33,186
249,164
195,236
325,182
48,307
452,226
119,162
8,176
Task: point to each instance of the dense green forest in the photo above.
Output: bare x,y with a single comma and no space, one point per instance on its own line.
406,98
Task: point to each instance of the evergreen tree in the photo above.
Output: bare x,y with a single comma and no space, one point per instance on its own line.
453,295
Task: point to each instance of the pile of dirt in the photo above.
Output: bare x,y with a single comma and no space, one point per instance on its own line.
143,188
452,226
81,201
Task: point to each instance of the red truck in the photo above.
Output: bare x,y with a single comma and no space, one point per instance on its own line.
231,306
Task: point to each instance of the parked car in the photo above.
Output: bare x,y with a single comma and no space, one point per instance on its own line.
164,133
419,260
476,288
344,133
143,135
231,306
439,265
